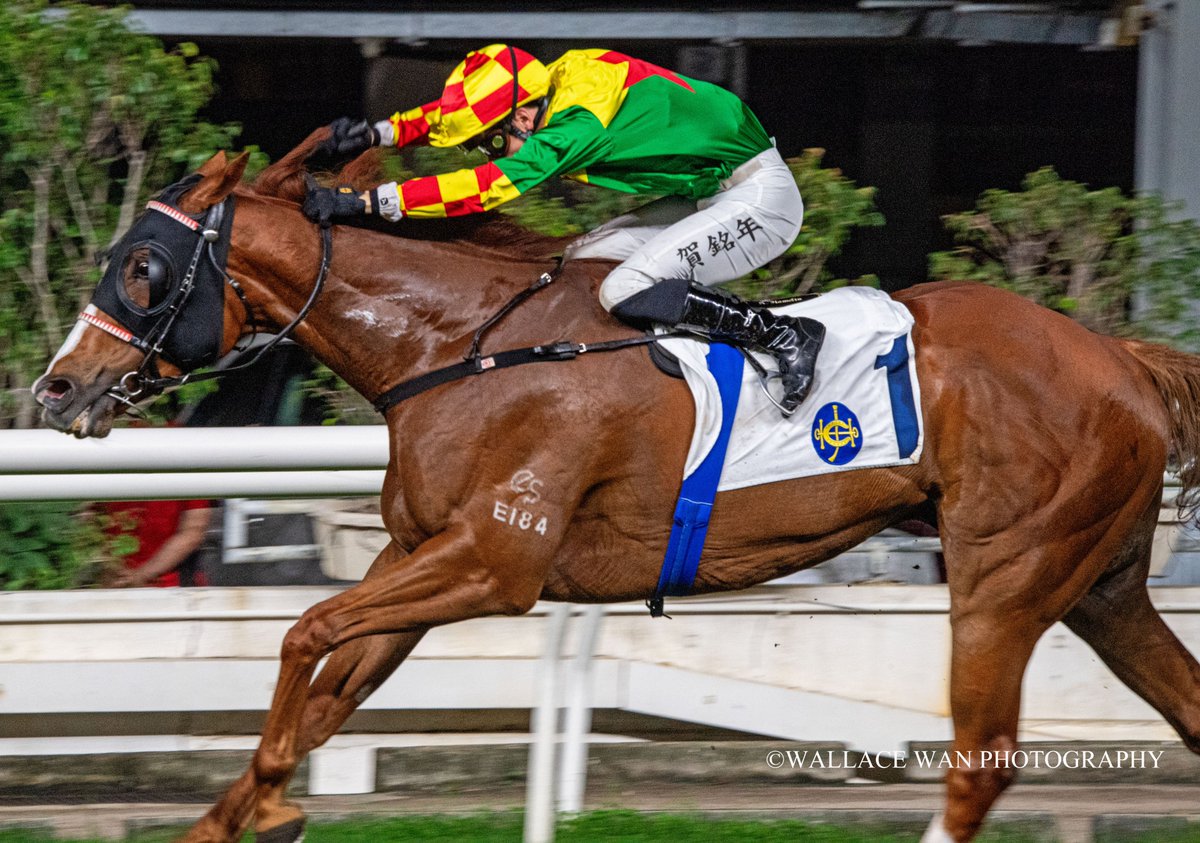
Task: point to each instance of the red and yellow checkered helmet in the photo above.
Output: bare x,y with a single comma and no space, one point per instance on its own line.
479,92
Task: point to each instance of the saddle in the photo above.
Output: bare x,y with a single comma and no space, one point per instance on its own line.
863,411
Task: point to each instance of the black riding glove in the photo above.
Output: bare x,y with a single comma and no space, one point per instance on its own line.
349,137
324,203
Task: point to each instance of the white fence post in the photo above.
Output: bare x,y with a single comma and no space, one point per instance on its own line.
539,780
573,764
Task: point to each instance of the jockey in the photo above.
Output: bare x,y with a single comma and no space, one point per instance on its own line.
729,203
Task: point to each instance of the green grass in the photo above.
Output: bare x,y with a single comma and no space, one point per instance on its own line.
611,827
606,826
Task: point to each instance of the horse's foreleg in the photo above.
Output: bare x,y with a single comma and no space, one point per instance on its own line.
229,818
349,676
443,581
352,672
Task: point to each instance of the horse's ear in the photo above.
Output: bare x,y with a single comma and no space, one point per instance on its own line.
218,179
214,165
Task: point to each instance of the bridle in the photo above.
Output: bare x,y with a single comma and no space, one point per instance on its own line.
147,381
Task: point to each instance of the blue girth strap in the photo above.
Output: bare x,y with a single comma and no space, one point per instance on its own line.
690,525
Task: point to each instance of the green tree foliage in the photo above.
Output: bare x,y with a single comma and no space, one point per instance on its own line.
92,118
50,545
1117,264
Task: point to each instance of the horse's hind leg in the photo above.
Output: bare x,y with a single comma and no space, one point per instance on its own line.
991,648
1007,587
1118,621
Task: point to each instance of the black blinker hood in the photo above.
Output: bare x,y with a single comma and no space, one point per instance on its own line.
193,337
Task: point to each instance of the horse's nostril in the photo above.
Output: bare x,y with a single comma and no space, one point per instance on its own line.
55,393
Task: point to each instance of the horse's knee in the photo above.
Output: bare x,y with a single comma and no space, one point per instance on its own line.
308,640
273,766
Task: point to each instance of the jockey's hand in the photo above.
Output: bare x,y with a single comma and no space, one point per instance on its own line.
324,203
349,137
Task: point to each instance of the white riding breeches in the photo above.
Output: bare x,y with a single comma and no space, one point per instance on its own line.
753,219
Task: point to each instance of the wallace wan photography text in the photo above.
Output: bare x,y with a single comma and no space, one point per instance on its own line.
945,759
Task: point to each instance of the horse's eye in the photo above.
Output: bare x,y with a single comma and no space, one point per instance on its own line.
147,279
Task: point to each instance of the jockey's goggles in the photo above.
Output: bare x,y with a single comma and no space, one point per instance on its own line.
494,142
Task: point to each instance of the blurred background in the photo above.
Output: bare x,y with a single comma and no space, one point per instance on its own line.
1047,147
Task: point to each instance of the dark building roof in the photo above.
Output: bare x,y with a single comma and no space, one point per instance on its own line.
1067,22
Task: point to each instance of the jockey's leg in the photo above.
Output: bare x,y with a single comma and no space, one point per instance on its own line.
621,237
681,303
753,219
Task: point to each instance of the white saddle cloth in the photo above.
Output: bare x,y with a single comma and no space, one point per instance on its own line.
862,326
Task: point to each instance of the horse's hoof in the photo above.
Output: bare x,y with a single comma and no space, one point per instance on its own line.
291,831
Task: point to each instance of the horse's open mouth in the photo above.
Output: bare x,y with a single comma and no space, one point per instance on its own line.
93,419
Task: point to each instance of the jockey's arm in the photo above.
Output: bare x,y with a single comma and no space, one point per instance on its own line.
350,136
575,140
407,127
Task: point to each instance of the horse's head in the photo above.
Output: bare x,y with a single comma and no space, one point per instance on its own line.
163,301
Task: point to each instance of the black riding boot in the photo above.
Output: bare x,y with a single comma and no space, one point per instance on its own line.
794,341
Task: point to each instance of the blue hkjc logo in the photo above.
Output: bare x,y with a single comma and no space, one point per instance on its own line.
837,436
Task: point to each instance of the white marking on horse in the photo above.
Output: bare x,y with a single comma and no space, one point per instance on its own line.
394,324
522,519
936,833
71,342
525,481
526,484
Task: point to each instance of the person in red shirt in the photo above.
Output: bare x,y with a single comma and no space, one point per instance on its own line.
168,532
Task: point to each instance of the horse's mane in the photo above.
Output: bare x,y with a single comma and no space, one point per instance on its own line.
286,180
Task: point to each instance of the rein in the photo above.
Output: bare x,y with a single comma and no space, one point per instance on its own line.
147,381
477,364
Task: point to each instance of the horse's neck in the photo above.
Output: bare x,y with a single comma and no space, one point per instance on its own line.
391,307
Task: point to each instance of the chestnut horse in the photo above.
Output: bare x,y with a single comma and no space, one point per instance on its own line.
1045,447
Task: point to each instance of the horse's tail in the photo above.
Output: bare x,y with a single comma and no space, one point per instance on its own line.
1176,375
